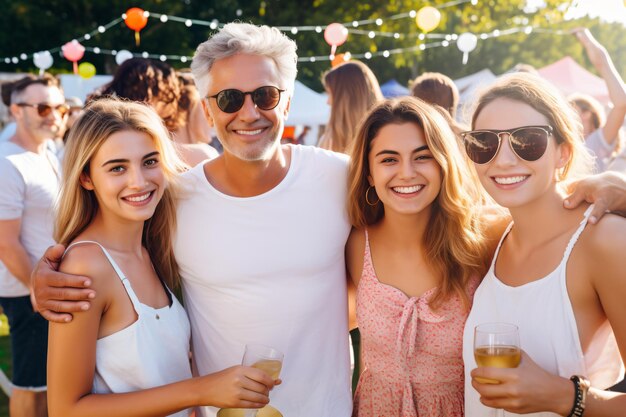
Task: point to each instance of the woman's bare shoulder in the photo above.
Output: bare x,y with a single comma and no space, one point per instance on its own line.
88,259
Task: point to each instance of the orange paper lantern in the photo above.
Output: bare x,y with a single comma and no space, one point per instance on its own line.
136,20
339,59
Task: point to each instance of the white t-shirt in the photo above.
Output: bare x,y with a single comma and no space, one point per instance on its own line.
270,269
599,147
8,131
29,186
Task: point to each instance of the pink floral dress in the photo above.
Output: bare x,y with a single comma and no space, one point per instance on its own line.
412,357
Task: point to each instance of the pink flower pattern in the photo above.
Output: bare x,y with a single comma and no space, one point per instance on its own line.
412,356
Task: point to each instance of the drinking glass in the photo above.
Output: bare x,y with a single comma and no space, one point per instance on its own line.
270,361
265,358
496,345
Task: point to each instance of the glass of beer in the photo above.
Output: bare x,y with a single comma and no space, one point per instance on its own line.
265,358
496,345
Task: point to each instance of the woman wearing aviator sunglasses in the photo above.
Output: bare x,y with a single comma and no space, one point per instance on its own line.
560,282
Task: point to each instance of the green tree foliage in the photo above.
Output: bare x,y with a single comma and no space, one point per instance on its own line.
34,25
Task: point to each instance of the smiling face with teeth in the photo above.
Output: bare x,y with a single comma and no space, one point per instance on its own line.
406,177
126,177
250,134
510,180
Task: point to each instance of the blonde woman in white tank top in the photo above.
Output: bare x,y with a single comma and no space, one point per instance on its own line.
562,283
128,354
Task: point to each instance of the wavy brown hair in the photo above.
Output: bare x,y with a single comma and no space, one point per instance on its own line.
151,82
437,88
354,90
455,245
77,206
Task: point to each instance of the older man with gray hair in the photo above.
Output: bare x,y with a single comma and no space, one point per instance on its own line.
260,241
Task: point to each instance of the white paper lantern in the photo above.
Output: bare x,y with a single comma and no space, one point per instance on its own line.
43,60
122,56
466,43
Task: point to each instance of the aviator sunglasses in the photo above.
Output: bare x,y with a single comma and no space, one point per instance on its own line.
45,109
527,142
231,100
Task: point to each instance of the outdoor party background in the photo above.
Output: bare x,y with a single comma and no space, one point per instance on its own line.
396,38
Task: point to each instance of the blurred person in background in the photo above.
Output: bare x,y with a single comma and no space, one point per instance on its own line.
29,184
352,90
195,133
439,89
602,133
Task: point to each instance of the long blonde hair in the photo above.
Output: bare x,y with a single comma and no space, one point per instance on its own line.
454,242
354,89
545,99
77,206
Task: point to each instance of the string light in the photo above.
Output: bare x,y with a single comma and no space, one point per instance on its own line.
214,24
312,59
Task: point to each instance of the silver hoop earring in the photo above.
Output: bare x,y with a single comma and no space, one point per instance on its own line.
367,197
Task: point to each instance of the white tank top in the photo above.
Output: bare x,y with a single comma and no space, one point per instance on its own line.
548,333
152,351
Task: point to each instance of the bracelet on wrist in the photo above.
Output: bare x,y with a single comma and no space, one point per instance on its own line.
581,386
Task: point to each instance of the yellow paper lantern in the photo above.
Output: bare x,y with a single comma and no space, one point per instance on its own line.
86,70
428,18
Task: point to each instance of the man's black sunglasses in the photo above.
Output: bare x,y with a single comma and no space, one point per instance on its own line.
231,100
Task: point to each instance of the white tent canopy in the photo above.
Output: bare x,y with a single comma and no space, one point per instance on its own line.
76,86
308,107
469,86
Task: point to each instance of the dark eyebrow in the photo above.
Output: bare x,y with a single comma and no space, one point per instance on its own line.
121,161
386,151
115,161
151,154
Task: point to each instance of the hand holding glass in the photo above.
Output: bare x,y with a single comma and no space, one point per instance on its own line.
496,345
265,358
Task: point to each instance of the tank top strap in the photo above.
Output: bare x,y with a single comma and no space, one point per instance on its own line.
368,265
367,243
576,235
118,271
495,255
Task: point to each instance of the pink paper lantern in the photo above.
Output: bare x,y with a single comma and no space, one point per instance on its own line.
335,34
73,51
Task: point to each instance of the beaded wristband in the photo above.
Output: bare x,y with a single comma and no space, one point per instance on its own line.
581,386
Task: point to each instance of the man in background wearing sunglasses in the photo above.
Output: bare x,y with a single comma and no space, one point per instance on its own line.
29,184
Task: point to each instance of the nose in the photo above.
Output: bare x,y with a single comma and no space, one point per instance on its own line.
407,169
505,155
249,110
56,114
136,178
